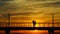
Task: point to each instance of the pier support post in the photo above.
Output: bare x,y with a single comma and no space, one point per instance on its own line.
51,31
7,31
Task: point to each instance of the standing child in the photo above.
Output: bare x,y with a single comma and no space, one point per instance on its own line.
34,23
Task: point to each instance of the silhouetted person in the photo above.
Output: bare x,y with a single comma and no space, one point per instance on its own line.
34,23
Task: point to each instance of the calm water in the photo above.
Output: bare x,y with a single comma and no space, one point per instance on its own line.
30,32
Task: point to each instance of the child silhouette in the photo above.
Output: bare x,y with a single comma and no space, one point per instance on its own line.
34,23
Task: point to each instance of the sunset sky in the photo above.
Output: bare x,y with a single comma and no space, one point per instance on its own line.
28,10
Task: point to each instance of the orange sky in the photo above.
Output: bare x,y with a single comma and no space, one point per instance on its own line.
28,10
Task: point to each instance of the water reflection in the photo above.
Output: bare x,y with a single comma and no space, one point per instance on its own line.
33,32
29,32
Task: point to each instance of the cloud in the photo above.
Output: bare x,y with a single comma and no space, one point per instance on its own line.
29,7
36,0
42,5
17,6
54,4
22,13
6,0
1,4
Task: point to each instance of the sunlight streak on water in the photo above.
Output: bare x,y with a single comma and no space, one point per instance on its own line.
29,32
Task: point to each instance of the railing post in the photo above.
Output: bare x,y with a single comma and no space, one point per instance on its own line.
8,24
51,31
44,24
52,20
7,30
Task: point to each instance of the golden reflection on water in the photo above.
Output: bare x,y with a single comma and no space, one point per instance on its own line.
33,31
29,32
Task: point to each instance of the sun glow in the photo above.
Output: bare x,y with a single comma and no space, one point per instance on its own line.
36,25
35,30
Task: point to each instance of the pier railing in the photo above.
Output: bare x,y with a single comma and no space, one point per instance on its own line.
18,24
